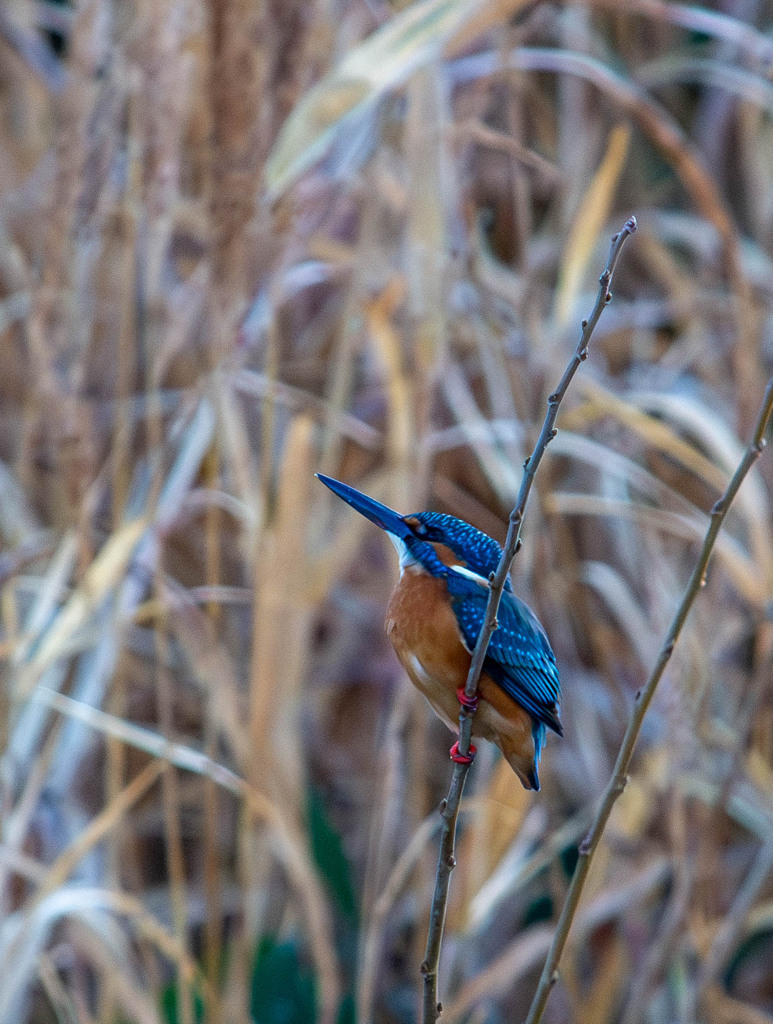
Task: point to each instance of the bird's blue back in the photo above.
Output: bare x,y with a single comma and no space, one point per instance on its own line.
519,658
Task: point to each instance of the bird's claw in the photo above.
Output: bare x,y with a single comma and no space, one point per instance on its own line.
470,703
462,758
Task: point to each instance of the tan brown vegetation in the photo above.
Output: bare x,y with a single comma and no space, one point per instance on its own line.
241,241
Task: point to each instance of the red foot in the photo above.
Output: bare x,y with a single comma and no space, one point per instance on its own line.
461,758
471,703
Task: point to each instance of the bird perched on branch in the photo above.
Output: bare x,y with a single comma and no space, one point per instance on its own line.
435,614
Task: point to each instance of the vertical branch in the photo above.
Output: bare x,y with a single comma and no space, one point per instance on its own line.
449,809
644,697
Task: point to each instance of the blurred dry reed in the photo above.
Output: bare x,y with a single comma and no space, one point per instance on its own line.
241,241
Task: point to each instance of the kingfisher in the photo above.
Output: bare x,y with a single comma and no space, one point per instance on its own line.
433,619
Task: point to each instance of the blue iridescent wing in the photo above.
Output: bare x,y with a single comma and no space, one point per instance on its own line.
519,657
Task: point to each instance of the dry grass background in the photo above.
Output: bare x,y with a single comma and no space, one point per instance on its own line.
218,791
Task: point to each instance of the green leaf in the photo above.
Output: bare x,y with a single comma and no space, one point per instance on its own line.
328,853
346,1011
569,857
283,990
751,956
170,1004
540,909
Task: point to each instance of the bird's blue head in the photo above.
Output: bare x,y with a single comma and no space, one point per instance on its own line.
458,543
434,540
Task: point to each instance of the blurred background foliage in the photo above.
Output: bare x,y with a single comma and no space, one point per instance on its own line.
242,240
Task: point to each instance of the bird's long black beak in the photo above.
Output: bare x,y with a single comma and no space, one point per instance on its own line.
379,514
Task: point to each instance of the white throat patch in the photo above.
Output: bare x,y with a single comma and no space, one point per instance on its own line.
406,558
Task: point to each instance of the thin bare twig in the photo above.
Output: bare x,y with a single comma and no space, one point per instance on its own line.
644,697
449,809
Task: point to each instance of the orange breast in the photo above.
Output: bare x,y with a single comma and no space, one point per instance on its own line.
425,635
